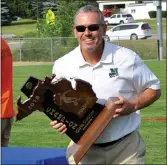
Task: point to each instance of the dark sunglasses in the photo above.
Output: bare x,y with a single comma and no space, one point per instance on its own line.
93,27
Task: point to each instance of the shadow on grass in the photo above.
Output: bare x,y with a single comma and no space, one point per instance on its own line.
24,23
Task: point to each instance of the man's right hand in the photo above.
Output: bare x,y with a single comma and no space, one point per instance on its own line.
60,127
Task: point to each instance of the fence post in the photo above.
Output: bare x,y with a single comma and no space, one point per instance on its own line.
158,50
118,41
51,49
20,48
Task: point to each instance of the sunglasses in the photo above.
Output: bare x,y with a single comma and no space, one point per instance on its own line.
82,28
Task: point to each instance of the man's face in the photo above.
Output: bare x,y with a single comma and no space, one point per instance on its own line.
91,37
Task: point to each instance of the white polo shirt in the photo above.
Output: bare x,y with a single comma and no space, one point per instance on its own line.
120,72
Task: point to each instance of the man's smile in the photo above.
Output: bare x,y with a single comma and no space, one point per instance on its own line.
89,41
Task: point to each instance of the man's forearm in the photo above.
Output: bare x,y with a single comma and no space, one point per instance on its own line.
146,98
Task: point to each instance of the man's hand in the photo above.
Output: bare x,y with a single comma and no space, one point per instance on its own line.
146,98
60,127
126,107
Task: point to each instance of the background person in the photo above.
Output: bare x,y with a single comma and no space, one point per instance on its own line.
113,71
7,111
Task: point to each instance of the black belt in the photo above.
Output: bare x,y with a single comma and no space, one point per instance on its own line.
110,143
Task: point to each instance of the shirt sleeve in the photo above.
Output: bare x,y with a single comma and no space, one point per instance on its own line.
143,77
54,71
54,68
57,71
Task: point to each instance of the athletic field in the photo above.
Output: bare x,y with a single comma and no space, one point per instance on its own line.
35,131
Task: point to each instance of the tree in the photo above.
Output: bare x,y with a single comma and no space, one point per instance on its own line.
64,16
19,8
36,8
6,17
40,7
49,4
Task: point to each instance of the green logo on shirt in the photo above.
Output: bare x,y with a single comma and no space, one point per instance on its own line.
113,72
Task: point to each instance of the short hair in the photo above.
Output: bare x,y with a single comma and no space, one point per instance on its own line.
90,8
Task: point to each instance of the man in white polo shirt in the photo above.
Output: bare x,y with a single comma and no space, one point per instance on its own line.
113,71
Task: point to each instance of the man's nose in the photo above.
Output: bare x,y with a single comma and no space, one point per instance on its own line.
87,31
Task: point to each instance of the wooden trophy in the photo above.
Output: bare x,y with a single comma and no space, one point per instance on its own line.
77,108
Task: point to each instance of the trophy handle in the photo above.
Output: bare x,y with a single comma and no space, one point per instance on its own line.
77,151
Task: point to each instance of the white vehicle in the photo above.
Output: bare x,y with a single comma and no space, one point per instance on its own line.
119,19
131,31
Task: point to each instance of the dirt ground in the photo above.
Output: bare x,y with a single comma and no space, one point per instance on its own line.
31,63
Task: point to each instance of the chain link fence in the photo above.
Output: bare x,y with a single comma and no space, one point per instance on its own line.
50,49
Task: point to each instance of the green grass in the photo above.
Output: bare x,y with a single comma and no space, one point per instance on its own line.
34,131
154,132
24,27
147,49
20,27
152,23
24,21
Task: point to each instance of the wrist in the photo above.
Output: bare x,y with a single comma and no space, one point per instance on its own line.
135,104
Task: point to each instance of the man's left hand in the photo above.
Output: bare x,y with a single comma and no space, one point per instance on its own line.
126,107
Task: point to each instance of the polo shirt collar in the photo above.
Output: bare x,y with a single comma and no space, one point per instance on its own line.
107,56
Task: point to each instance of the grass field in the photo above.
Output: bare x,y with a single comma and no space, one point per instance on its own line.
20,28
28,27
34,131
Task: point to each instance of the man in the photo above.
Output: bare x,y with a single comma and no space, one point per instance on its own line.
113,71
7,111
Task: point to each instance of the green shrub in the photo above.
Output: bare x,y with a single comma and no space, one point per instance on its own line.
36,50
152,14
164,14
63,45
45,49
34,17
30,34
16,54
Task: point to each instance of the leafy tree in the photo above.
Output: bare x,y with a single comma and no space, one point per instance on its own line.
36,8
39,7
30,8
19,8
6,17
49,4
64,16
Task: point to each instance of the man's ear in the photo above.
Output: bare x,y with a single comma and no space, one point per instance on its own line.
104,29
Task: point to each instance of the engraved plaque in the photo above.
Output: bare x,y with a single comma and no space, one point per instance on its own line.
77,108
